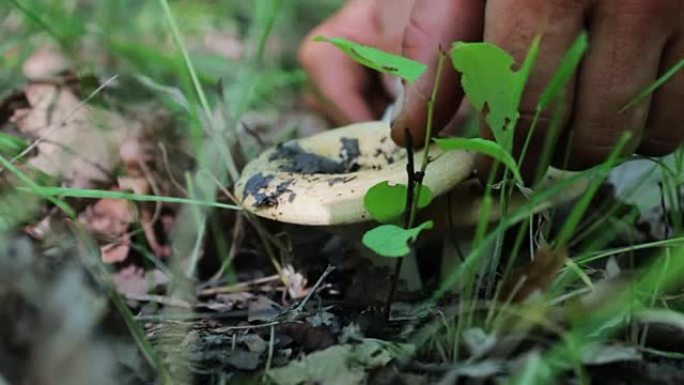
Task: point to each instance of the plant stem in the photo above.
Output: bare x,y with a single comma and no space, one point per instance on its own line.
428,136
415,179
411,174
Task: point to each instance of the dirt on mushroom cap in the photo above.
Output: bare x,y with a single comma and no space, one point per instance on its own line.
297,160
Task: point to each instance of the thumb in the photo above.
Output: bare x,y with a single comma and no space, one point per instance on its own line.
434,24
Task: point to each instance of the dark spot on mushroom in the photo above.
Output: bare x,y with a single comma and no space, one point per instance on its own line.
257,186
389,159
349,153
340,179
296,160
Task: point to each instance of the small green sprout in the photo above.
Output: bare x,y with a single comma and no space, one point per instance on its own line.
392,241
386,203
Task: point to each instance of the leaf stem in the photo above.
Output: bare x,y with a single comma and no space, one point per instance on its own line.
415,179
408,214
418,177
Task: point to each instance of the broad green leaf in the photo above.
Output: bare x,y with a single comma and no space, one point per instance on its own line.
378,60
483,146
567,69
386,203
488,79
11,146
392,241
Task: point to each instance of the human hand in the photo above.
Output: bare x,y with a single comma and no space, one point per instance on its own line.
632,43
342,89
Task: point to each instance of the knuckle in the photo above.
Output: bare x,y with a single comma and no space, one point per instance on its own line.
649,14
416,35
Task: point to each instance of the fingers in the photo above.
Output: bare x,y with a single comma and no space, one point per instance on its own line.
337,87
340,88
338,83
665,126
513,25
434,24
627,39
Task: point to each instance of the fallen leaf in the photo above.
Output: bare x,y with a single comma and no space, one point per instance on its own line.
339,364
255,343
115,252
131,280
76,142
296,282
138,185
109,217
310,338
262,309
148,227
45,63
535,277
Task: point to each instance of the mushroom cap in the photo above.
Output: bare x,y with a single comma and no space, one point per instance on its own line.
322,179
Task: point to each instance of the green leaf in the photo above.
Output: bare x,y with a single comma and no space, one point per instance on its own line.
489,80
567,69
378,60
392,241
386,203
11,146
483,146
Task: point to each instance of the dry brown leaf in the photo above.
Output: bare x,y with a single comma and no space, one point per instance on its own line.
109,217
116,252
78,143
131,280
138,185
535,277
296,282
45,63
157,248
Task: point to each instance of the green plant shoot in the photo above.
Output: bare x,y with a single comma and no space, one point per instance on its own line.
378,60
393,241
386,203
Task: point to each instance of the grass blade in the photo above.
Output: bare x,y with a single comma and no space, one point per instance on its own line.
104,194
650,89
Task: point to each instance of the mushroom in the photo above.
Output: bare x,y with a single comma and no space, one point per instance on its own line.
322,180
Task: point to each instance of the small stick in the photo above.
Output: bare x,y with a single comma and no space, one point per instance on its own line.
315,287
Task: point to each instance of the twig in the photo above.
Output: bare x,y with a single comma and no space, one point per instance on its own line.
315,287
271,344
159,299
238,287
